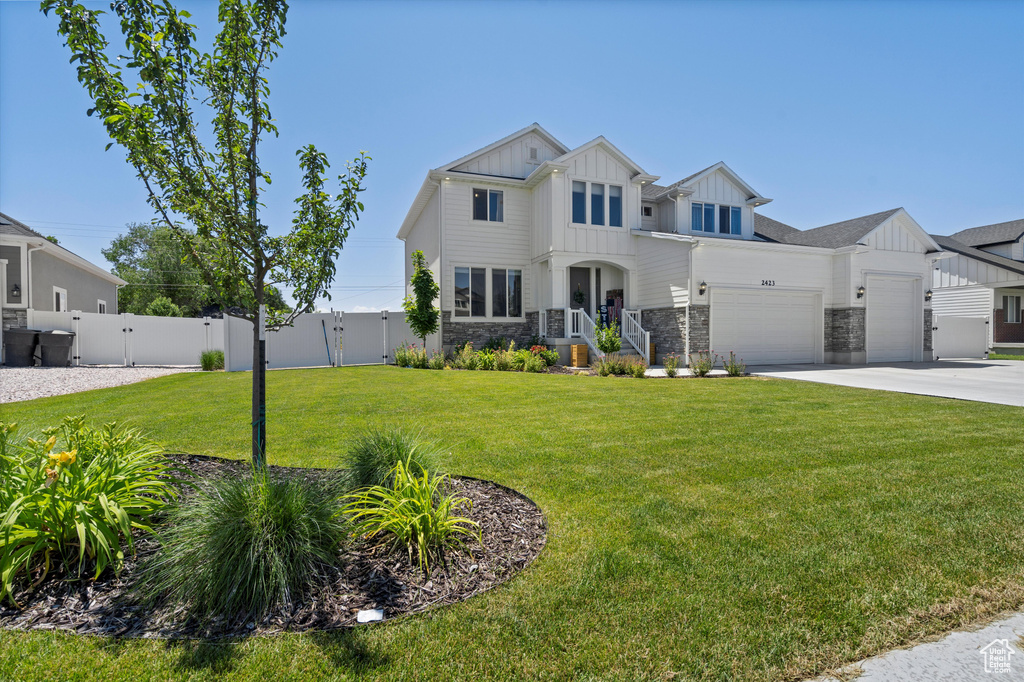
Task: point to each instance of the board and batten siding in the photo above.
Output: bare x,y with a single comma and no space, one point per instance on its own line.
663,273
595,165
719,190
963,271
649,223
511,160
892,235
482,243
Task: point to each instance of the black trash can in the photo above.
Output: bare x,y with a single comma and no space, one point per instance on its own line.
19,347
55,348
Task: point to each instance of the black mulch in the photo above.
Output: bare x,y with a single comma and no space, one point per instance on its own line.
367,575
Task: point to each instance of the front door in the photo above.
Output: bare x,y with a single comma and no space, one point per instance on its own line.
579,289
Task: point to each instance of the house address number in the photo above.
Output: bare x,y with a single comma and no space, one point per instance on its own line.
767,282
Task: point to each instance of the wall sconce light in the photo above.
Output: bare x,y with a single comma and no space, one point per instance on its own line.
15,291
860,292
928,295
703,288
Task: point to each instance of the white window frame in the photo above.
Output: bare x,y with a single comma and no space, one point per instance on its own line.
101,306
1011,308
607,203
489,190
488,293
646,208
63,299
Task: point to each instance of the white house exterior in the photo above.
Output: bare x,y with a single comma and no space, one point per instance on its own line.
984,278
529,237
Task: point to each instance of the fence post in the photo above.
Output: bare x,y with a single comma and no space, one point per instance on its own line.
76,350
127,333
384,336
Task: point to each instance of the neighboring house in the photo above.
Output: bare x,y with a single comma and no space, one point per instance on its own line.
38,274
529,237
985,278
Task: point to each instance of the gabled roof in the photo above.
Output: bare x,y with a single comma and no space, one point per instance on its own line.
952,244
845,233
999,233
728,172
601,141
16,228
772,230
532,128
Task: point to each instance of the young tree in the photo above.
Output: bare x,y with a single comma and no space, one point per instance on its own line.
420,312
213,177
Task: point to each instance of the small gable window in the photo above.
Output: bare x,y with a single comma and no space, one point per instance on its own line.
730,220
702,219
489,205
647,211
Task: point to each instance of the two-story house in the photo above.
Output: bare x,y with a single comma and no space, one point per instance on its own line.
985,279
530,237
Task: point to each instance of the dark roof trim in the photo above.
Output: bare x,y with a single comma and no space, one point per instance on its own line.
950,244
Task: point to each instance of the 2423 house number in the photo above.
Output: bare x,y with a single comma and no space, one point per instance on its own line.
767,282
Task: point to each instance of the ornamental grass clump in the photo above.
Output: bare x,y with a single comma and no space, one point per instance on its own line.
243,546
210,360
74,499
372,458
414,513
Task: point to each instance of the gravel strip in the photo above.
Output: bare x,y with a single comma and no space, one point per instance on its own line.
28,383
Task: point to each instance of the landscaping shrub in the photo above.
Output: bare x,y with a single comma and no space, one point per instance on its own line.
402,355
418,358
671,364
607,337
550,357
534,363
638,369
437,360
620,365
503,360
519,358
211,359
76,496
414,512
498,343
466,358
372,457
702,363
244,545
734,367
486,358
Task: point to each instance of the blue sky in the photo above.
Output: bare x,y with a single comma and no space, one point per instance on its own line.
834,109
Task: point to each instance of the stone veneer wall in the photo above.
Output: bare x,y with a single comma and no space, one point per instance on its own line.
481,332
16,318
700,328
556,323
668,329
927,331
844,330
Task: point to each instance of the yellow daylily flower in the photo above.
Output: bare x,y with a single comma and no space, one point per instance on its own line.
50,443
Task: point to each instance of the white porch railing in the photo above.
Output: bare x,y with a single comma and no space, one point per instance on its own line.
636,335
582,327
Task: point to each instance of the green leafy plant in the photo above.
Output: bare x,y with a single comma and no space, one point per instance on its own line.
372,457
421,314
76,496
702,363
414,513
503,360
534,363
550,357
671,362
161,306
437,360
402,356
638,369
619,365
418,358
607,337
498,343
466,358
210,360
486,359
734,367
244,545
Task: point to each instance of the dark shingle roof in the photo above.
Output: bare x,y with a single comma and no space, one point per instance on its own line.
9,225
951,244
772,230
838,235
991,234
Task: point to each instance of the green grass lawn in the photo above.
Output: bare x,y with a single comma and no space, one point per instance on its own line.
742,529
1005,356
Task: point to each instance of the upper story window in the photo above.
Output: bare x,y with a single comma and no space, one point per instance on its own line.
702,219
489,204
1011,309
605,203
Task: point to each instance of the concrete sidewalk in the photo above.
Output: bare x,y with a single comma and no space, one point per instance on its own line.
987,381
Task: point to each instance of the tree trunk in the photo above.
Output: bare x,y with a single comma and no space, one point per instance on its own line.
259,391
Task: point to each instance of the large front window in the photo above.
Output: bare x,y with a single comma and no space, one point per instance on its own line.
471,293
489,204
605,204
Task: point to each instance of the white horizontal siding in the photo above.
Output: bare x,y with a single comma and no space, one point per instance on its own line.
649,223
663,273
975,301
424,237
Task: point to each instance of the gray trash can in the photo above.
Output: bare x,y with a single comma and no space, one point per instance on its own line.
19,347
55,348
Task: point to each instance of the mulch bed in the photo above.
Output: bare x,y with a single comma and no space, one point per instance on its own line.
367,576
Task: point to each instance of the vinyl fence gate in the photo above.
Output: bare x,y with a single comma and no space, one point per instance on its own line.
959,337
371,338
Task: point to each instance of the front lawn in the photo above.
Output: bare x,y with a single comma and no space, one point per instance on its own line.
742,529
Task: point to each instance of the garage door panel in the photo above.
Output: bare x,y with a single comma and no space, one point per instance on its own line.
892,326
765,327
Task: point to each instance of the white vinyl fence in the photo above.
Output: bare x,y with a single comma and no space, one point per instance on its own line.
312,341
960,337
128,339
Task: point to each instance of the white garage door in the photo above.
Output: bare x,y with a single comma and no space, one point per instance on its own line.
765,327
892,327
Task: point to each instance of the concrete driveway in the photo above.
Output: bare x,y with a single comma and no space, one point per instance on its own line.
987,381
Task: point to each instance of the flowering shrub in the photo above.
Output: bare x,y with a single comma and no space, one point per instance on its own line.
620,365
402,356
76,496
436,360
671,364
465,358
734,367
702,363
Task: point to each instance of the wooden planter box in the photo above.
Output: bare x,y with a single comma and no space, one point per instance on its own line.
653,355
579,355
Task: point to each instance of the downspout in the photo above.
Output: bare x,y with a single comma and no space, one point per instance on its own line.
689,297
28,275
440,261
